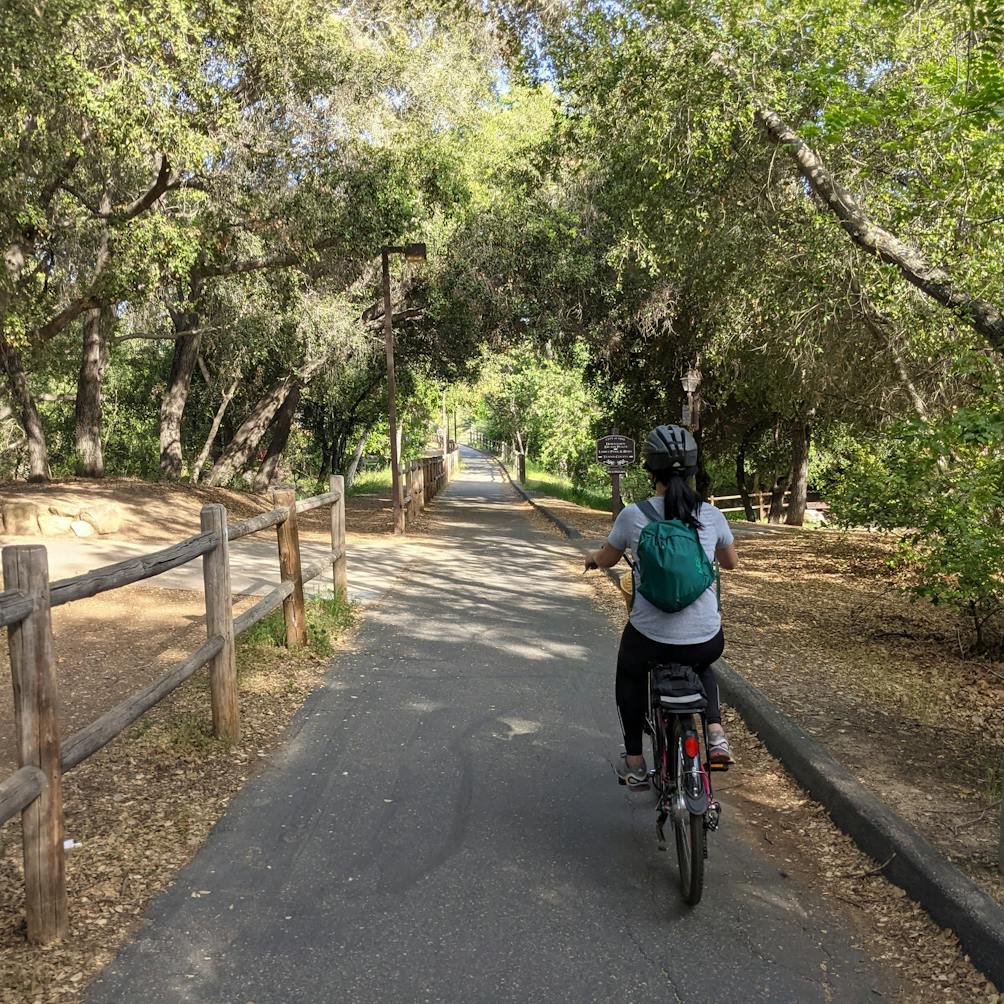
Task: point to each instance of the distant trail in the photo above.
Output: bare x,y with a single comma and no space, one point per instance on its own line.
444,824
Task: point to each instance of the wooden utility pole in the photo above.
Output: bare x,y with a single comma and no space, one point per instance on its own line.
395,459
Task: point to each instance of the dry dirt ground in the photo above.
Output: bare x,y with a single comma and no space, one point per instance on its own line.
165,511
812,617
155,628
800,836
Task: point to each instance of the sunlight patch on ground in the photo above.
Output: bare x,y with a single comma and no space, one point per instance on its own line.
519,727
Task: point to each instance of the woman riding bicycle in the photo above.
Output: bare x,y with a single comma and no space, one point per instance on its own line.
691,636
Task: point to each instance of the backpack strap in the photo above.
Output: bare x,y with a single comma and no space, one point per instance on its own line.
649,510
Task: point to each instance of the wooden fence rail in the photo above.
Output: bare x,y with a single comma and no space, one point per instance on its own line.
424,479
760,501
35,789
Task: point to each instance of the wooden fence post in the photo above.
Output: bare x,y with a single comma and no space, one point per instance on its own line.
760,507
338,565
289,568
220,621
33,670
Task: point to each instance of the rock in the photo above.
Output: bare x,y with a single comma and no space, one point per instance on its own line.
105,517
81,529
20,518
815,517
52,525
63,507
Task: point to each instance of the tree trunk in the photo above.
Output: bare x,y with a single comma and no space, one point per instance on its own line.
777,491
741,482
200,460
179,381
247,437
172,405
799,472
87,411
38,452
281,427
357,456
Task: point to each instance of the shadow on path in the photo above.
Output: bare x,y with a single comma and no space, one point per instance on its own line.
443,824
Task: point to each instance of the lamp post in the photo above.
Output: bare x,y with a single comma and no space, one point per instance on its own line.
690,381
411,252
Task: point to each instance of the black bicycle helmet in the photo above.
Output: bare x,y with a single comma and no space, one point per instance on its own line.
670,448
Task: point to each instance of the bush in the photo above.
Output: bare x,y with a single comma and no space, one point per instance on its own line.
940,486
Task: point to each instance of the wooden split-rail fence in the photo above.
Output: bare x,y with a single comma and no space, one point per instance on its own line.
759,500
35,789
424,479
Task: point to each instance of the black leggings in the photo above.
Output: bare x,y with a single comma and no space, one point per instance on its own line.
637,655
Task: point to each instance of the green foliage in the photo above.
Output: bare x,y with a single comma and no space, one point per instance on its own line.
542,405
940,486
540,479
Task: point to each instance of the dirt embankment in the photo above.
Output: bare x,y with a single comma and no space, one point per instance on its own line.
168,511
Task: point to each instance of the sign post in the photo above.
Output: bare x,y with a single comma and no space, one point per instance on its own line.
615,453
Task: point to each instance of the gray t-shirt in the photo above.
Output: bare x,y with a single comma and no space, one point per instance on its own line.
700,621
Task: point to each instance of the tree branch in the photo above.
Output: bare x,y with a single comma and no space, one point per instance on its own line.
161,184
66,316
932,280
165,336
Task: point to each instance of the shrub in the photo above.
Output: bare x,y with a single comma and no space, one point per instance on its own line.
940,486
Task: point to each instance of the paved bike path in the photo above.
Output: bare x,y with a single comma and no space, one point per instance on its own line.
444,826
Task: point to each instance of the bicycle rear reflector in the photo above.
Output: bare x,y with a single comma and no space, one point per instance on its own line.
691,746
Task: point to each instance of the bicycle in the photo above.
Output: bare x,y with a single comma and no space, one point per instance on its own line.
676,724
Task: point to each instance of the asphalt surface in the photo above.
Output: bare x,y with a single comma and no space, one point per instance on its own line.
444,824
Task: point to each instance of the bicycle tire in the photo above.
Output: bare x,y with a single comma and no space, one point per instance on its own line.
657,737
690,838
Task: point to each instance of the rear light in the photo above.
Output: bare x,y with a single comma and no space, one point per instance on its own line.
691,746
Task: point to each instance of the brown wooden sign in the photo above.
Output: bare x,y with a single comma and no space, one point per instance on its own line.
615,453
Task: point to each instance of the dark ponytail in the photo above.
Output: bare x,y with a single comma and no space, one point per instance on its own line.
681,501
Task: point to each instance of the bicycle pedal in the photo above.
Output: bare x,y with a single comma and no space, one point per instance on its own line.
718,766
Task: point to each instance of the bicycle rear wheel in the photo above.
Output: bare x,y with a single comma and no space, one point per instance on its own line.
688,828
690,856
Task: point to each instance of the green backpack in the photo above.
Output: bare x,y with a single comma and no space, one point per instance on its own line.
673,569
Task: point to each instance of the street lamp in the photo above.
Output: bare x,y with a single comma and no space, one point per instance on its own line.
690,381
413,253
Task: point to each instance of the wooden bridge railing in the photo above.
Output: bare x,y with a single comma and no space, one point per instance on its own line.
35,789
424,479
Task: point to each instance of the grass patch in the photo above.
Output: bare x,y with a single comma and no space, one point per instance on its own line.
371,482
540,480
326,620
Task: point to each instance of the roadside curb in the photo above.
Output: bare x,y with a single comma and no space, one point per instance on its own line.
927,876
